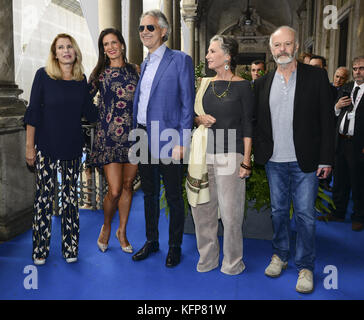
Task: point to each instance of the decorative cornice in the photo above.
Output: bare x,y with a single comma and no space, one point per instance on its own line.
189,12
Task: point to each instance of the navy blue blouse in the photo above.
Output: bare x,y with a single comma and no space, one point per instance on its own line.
55,110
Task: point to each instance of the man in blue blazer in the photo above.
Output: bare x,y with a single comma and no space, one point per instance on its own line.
163,108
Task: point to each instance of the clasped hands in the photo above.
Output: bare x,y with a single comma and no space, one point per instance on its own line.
206,120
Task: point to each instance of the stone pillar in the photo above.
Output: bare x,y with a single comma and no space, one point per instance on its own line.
168,12
197,45
16,181
190,16
359,29
110,14
177,25
135,46
6,52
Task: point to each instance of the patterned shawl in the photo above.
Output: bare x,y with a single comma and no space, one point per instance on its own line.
197,179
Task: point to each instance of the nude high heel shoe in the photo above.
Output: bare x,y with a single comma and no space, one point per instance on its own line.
102,246
127,249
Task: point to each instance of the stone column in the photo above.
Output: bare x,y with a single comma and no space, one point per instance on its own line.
110,14
197,44
302,29
177,25
168,12
358,30
190,16
135,47
16,181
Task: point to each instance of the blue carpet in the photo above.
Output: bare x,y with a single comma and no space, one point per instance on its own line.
113,275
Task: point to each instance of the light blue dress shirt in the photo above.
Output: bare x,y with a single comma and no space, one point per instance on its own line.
152,63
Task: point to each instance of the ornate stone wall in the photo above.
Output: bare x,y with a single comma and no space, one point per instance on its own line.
315,36
230,17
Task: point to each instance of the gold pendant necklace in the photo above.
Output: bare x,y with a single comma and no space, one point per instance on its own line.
222,95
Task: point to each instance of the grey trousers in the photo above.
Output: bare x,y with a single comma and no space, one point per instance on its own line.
227,193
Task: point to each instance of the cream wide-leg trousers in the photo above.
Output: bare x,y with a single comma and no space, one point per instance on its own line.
227,192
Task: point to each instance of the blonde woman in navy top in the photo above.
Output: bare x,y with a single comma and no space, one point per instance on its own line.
54,140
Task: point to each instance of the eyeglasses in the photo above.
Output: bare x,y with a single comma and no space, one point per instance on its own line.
355,69
149,27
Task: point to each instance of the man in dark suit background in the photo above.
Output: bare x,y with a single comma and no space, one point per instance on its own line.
257,67
349,158
294,139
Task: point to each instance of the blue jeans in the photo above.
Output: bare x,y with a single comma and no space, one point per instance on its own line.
289,184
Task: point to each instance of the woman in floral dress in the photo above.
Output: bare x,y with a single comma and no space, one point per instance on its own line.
115,80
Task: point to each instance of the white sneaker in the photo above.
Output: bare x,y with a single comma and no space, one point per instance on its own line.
71,260
39,262
275,267
305,281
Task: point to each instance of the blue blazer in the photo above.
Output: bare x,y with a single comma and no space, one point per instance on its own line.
171,101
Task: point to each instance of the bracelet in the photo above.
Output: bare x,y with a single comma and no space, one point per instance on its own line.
245,166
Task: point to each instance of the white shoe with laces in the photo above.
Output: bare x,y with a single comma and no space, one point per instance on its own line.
71,260
275,267
305,281
39,262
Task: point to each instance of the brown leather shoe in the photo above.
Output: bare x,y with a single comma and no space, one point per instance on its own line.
330,217
357,226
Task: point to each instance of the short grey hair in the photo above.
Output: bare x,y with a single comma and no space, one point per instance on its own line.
229,46
220,39
345,69
162,21
283,27
357,59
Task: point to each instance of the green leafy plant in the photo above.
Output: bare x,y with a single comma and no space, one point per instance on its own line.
257,189
199,73
199,70
245,75
320,206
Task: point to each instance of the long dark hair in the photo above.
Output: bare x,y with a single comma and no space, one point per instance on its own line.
103,60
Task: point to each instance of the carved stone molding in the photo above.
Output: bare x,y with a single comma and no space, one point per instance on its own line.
189,12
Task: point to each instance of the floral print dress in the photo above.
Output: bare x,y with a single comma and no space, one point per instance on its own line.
115,104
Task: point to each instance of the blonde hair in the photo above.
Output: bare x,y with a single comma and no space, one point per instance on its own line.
52,67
